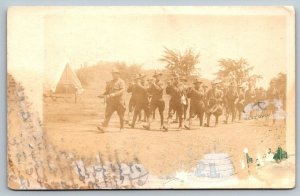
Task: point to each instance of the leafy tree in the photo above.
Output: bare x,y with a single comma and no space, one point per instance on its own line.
236,71
280,83
181,63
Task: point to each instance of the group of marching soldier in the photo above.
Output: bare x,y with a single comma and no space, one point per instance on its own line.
147,96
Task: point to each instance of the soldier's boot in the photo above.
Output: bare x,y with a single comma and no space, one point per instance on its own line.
207,121
188,127
129,118
226,119
131,125
164,128
101,129
168,122
147,127
217,120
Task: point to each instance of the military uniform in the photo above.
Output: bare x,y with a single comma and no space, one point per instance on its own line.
186,102
176,103
156,92
114,94
196,96
132,101
214,104
141,102
230,99
131,89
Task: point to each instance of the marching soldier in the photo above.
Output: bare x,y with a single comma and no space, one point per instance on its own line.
214,102
132,101
196,95
142,102
183,83
156,92
177,100
114,96
230,99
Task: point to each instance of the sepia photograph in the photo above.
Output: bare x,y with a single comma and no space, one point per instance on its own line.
151,97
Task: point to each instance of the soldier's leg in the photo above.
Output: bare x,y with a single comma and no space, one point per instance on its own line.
226,113
170,113
208,115
176,119
233,113
217,119
130,110
161,108
185,111
110,108
179,111
147,112
152,108
191,116
201,114
137,111
121,111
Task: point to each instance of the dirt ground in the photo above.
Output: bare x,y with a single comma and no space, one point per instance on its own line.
71,127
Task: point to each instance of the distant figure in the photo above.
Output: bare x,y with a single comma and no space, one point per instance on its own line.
114,96
142,102
230,99
156,92
214,99
196,95
132,101
183,84
177,100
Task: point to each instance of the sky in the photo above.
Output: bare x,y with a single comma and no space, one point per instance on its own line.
140,39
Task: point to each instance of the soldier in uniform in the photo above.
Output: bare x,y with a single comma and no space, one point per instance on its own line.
132,101
196,95
177,100
214,99
142,102
230,99
114,96
183,83
155,90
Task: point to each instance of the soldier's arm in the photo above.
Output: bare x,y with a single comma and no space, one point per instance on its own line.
158,86
119,92
106,89
198,92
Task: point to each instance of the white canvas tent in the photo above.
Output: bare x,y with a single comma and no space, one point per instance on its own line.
68,82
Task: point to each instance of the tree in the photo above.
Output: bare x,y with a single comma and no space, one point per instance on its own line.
280,83
128,71
236,71
181,63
